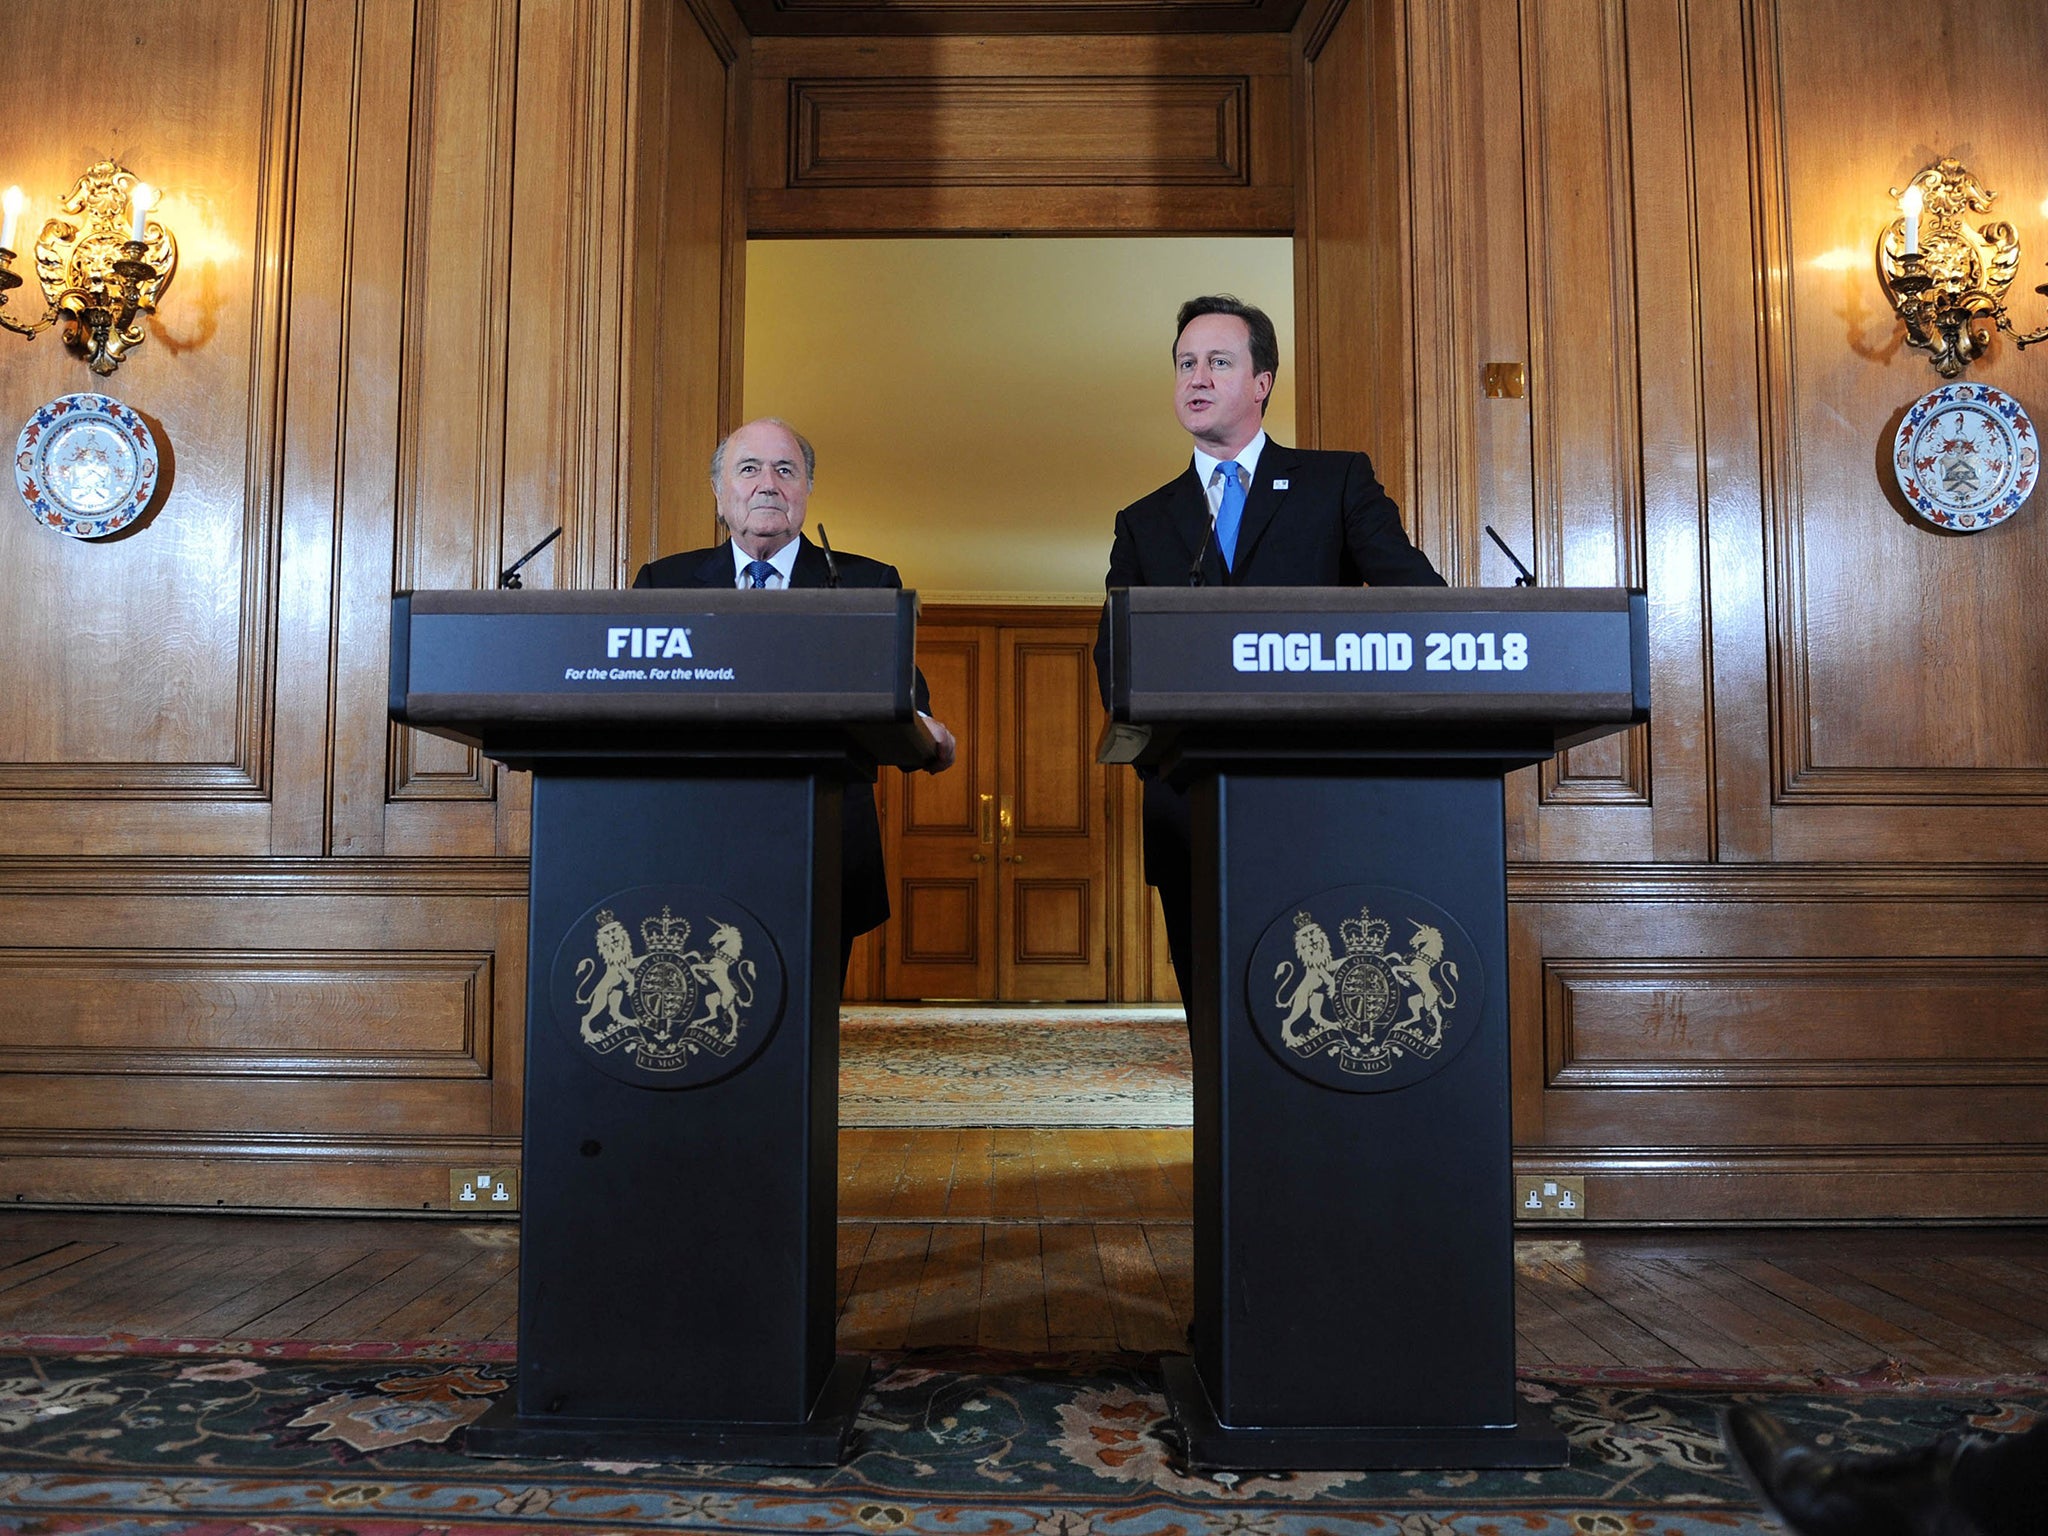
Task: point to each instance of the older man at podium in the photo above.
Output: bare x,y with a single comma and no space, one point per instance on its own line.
762,476
1250,512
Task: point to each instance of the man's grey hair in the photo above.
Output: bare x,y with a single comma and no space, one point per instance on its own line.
803,445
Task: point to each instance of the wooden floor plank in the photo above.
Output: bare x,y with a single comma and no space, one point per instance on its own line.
1012,1314
1912,1281
1137,1298
1068,1254
87,1287
1173,1258
270,1287
50,1260
1881,1339
948,1306
1013,1176
427,1315
883,1300
360,1315
1612,1331
1539,1318
1940,1345
302,1315
488,1315
853,1239
971,1196
1078,1314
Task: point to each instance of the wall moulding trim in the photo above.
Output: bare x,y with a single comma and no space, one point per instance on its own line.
259,1146
1807,784
937,132
1678,1023
314,878
131,781
1932,1185
1640,884
310,1004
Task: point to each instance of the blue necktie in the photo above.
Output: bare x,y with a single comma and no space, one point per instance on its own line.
758,572
1230,514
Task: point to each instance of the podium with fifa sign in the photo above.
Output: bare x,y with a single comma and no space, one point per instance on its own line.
689,751
1343,751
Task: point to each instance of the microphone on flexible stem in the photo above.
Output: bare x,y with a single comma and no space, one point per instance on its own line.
1195,570
509,577
831,565
1527,578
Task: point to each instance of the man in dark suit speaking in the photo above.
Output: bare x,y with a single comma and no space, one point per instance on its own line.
762,476
1246,512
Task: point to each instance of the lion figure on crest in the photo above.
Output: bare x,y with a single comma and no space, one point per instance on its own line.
615,945
1318,965
723,996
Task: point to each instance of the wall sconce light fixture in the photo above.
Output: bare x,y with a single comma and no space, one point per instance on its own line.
1941,275
103,263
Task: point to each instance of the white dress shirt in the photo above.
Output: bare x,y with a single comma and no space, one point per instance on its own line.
784,561
1212,483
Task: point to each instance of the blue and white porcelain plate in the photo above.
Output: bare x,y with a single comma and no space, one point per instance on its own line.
86,465
1966,456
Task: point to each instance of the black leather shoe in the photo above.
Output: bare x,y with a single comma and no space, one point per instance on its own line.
1822,1493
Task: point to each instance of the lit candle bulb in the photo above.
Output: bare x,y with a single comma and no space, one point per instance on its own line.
10,216
142,199
1911,203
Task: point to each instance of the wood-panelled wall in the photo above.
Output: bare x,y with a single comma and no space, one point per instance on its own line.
1776,955
259,949
456,271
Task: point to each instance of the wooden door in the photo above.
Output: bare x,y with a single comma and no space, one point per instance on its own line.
1052,942
939,832
1000,868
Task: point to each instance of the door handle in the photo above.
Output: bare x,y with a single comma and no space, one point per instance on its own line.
977,858
1016,858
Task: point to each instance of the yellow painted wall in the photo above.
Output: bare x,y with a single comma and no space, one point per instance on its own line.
982,408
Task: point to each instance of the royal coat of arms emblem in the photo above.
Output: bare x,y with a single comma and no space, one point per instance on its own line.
688,1003
1391,1007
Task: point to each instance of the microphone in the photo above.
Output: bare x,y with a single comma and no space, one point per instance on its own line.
509,577
831,565
1527,578
1195,570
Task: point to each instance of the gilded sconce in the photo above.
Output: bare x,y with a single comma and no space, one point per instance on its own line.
1942,275
103,263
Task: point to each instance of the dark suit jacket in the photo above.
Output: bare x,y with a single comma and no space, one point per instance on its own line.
1332,525
863,883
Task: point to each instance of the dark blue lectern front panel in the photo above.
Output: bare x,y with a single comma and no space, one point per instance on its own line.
681,1098
1352,1163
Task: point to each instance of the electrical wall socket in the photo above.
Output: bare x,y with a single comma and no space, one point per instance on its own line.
483,1189
1550,1198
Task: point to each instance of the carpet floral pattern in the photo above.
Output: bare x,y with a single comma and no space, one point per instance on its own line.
208,1438
934,1066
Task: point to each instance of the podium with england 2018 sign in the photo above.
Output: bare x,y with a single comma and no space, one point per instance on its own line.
1343,752
689,751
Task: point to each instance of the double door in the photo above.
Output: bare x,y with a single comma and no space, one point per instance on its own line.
1000,869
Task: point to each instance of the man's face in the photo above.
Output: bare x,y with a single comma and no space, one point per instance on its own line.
762,488
1216,395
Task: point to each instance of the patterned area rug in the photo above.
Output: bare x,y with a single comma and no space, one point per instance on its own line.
941,1066
163,1438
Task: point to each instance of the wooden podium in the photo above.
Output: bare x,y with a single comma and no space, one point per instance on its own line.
689,751
1343,751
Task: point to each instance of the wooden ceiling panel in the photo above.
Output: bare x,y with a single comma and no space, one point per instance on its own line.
925,18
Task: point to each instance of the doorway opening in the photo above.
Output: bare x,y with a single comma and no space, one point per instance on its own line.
981,407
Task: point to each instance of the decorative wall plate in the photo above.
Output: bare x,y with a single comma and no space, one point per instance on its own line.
86,465
1966,456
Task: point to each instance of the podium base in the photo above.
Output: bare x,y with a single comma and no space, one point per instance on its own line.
822,1440
1212,1446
